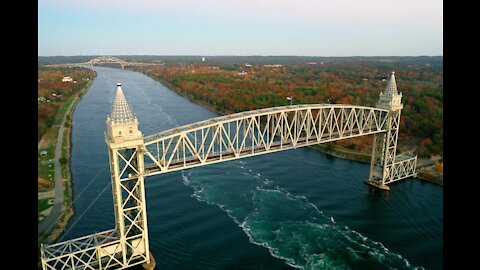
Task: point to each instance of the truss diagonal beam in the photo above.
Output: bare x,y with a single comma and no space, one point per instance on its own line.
257,132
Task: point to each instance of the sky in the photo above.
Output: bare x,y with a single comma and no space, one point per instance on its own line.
240,27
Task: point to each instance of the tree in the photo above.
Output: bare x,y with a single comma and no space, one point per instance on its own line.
63,160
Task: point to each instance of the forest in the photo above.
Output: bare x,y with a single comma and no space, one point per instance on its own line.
234,86
52,92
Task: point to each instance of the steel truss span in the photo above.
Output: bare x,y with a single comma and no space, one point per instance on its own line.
257,132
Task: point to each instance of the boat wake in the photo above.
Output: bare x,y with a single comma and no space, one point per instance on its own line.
289,226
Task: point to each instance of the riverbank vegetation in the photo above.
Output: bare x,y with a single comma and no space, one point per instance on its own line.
235,87
55,100
54,95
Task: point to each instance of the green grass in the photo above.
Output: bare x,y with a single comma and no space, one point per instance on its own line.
43,205
50,153
45,169
62,110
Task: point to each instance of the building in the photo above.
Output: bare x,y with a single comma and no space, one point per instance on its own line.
67,79
274,66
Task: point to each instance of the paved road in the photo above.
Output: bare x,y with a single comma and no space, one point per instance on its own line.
48,223
46,195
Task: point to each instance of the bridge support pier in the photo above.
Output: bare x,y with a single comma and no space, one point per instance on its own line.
151,265
373,184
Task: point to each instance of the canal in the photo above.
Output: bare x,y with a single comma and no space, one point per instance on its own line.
292,209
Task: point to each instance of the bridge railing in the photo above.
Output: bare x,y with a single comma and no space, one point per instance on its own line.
258,132
96,251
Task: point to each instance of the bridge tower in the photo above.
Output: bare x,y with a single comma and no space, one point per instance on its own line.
386,166
125,142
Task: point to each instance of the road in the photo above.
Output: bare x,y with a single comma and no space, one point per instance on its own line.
48,223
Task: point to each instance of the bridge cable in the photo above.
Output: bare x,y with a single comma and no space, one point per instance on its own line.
85,211
75,199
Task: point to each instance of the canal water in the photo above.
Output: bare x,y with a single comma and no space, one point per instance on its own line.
293,209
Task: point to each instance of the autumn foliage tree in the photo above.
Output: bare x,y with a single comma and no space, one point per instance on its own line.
344,82
52,92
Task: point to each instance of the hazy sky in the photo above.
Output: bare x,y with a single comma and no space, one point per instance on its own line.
241,27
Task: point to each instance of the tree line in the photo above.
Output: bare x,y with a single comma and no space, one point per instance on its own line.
236,87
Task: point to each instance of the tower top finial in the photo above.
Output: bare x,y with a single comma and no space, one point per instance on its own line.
121,112
391,88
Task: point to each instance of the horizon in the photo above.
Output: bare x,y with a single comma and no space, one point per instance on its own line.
251,55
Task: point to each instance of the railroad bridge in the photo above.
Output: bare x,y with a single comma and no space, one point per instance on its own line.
133,157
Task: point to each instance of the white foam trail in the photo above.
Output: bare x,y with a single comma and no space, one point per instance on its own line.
289,261
242,225
269,190
186,181
271,250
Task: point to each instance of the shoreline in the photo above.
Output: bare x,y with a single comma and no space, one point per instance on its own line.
67,209
336,152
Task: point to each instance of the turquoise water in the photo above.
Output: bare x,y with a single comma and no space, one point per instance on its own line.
293,209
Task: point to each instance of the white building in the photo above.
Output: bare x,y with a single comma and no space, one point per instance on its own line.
274,66
67,79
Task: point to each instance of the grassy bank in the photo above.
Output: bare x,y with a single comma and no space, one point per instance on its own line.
46,167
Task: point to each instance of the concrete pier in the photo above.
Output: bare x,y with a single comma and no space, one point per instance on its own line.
151,265
384,187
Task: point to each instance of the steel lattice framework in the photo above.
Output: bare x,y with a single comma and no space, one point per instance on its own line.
134,156
258,132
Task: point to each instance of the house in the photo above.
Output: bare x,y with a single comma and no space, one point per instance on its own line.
67,79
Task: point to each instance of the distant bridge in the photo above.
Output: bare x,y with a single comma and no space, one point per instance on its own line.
134,156
105,60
